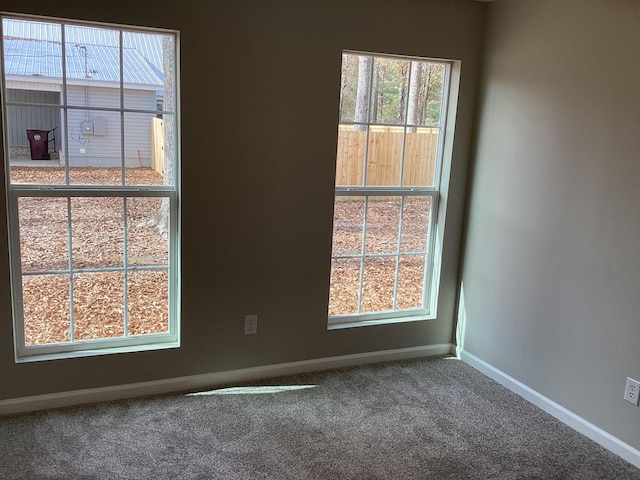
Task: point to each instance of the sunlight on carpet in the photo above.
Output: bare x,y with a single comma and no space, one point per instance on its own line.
253,390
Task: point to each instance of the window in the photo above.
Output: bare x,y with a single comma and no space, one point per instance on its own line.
389,159
92,177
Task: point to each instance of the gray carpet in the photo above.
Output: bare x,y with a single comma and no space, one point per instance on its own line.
420,419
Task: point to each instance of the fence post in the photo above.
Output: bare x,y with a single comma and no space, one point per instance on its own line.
157,145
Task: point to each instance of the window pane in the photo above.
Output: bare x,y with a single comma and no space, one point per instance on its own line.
45,300
94,148
348,223
378,283
345,286
143,176
428,104
384,157
97,232
415,224
389,91
363,90
92,58
144,149
146,56
98,300
383,221
164,148
425,93
145,218
349,87
37,175
148,302
150,138
43,234
421,150
32,48
410,282
34,137
352,143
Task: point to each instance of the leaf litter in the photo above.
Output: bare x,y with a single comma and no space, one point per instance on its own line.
98,242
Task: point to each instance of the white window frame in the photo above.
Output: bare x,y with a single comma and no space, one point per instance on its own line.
127,343
436,223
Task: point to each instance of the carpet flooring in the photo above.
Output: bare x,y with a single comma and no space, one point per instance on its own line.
433,418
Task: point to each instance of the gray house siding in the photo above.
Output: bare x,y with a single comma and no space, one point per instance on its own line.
93,64
20,119
105,150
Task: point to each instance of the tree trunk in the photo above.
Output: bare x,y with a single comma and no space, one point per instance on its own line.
168,66
343,85
415,81
374,96
424,98
365,65
401,93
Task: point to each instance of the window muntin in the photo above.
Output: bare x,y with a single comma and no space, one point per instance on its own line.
389,158
93,225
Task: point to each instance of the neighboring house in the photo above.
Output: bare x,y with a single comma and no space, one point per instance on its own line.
33,68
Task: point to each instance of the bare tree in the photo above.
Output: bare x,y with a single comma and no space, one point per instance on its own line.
424,94
415,82
375,94
365,66
343,87
402,91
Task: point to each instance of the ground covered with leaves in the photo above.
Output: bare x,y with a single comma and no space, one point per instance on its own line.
97,267
389,255
76,248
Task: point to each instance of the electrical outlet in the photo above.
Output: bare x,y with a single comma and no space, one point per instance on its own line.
250,324
632,391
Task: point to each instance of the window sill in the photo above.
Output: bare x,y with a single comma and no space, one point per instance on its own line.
380,321
96,352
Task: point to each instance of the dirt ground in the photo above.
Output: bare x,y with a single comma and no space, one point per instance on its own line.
98,242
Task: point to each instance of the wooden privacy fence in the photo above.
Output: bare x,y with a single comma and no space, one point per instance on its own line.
157,145
384,163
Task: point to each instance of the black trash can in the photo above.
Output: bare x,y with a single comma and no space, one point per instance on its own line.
39,144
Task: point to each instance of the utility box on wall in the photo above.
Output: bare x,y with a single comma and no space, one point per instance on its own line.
94,126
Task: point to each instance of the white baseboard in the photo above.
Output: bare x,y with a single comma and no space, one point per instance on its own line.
595,433
208,380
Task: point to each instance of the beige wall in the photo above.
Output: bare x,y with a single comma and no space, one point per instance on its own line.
553,253
256,225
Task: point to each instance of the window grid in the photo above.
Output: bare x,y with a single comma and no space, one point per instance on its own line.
403,192
68,191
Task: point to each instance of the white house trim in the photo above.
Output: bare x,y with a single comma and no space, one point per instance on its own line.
28,83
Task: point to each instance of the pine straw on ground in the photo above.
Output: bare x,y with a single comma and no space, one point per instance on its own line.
378,274
98,242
